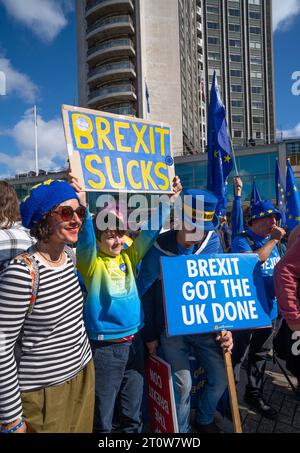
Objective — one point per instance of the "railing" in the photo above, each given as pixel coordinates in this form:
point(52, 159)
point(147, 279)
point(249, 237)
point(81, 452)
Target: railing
point(125, 110)
point(111, 67)
point(94, 3)
point(109, 44)
point(111, 89)
point(110, 20)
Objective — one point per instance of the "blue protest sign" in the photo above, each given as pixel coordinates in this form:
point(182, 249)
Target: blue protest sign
point(116, 153)
point(213, 293)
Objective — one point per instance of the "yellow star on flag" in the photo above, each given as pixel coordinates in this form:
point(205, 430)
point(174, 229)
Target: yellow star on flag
point(216, 154)
point(270, 211)
point(227, 159)
point(262, 214)
point(295, 189)
point(290, 217)
point(297, 219)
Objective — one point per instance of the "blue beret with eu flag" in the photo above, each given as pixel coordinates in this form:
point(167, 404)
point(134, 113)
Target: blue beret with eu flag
point(43, 198)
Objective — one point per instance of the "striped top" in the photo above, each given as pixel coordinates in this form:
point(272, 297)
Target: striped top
point(55, 347)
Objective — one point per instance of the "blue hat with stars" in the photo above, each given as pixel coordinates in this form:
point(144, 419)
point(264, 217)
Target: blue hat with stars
point(43, 198)
point(263, 209)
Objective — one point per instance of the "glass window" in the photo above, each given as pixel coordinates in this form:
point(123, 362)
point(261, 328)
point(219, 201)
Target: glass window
point(213, 25)
point(238, 134)
point(254, 15)
point(213, 10)
point(258, 120)
point(256, 60)
point(234, 27)
point(258, 105)
point(256, 90)
point(235, 58)
point(255, 30)
point(254, 2)
point(234, 42)
point(213, 40)
point(215, 56)
point(235, 73)
point(255, 45)
point(259, 135)
point(234, 12)
point(237, 119)
point(256, 75)
point(237, 103)
point(236, 88)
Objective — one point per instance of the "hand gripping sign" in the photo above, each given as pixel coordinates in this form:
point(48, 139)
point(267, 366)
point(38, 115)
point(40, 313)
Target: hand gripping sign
point(113, 153)
point(213, 293)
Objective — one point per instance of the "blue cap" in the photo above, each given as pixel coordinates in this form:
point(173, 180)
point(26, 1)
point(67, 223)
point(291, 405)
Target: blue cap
point(263, 209)
point(43, 198)
point(205, 219)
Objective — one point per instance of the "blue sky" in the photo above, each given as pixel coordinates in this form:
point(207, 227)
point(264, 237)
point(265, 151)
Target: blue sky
point(38, 56)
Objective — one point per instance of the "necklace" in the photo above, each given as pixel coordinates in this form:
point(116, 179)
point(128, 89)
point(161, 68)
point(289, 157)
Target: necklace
point(57, 262)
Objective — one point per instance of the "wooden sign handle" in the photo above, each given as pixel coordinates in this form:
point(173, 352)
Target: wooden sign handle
point(234, 405)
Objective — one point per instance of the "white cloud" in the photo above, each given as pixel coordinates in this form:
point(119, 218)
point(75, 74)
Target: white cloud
point(284, 12)
point(45, 18)
point(17, 82)
point(51, 145)
point(289, 133)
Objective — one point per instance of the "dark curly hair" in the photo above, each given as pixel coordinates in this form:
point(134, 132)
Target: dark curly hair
point(9, 205)
point(42, 230)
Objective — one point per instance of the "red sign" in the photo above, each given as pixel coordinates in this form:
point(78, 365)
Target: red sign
point(161, 402)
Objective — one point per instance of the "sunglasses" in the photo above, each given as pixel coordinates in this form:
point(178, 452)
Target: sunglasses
point(66, 213)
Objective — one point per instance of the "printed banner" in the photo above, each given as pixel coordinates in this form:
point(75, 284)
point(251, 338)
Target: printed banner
point(213, 293)
point(161, 402)
point(110, 153)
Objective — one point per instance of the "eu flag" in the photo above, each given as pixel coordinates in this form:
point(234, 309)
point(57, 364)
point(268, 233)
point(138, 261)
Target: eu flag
point(280, 195)
point(255, 197)
point(220, 161)
point(292, 199)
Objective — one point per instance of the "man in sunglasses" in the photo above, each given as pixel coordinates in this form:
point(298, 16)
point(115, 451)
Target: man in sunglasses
point(113, 313)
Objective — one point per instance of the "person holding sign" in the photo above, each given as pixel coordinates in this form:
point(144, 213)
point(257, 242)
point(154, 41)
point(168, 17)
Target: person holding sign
point(262, 237)
point(113, 313)
point(197, 236)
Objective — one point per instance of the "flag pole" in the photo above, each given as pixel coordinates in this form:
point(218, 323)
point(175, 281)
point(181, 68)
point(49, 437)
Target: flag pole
point(233, 155)
point(36, 144)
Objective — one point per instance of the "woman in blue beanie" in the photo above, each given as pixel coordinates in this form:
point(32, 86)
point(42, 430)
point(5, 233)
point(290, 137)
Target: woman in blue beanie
point(51, 389)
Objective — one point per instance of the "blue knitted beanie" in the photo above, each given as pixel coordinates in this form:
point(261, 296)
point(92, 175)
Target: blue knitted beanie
point(43, 198)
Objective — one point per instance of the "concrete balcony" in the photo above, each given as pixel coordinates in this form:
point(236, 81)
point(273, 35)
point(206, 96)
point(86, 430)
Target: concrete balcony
point(199, 29)
point(121, 109)
point(112, 71)
point(98, 8)
point(199, 12)
point(112, 94)
point(111, 49)
point(110, 27)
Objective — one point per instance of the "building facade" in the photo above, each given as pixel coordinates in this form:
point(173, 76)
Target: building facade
point(127, 48)
point(239, 47)
point(257, 162)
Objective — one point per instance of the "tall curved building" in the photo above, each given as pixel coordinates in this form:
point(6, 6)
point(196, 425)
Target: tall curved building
point(144, 58)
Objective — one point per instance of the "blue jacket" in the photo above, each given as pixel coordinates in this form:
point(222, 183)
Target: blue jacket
point(149, 279)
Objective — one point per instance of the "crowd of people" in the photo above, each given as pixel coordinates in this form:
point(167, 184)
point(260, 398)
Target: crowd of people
point(75, 327)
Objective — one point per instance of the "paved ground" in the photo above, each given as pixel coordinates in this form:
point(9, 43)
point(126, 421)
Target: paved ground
point(278, 393)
